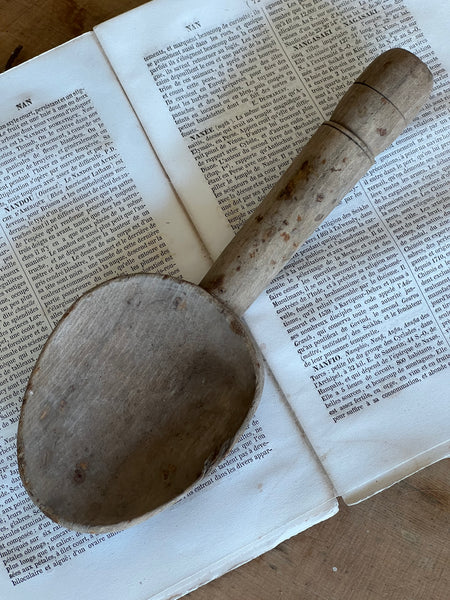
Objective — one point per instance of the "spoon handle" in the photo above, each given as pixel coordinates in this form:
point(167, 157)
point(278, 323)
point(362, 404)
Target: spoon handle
point(373, 112)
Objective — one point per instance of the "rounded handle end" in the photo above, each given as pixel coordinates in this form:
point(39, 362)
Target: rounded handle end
point(385, 98)
point(402, 78)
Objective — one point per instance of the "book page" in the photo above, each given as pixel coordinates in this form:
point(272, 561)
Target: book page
point(83, 199)
point(356, 327)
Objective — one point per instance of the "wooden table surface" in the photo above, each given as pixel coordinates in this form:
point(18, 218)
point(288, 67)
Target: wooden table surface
point(393, 546)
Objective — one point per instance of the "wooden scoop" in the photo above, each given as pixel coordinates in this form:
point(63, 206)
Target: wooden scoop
point(148, 381)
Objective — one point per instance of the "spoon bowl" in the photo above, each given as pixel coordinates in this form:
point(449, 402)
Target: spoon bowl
point(133, 401)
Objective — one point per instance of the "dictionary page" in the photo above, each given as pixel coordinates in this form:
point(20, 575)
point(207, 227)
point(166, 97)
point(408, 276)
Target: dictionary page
point(83, 199)
point(356, 327)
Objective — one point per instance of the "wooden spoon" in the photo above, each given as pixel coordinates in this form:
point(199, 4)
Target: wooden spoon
point(148, 381)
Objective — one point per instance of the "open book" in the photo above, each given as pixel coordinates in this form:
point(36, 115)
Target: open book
point(143, 146)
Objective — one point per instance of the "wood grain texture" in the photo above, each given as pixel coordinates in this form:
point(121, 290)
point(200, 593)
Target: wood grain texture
point(394, 546)
point(40, 26)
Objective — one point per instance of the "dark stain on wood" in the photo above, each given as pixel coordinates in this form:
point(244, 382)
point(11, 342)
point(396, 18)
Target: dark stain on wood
point(79, 475)
point(217, 284)
point(236, 327)
point(303, 173)
point(179, 303)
